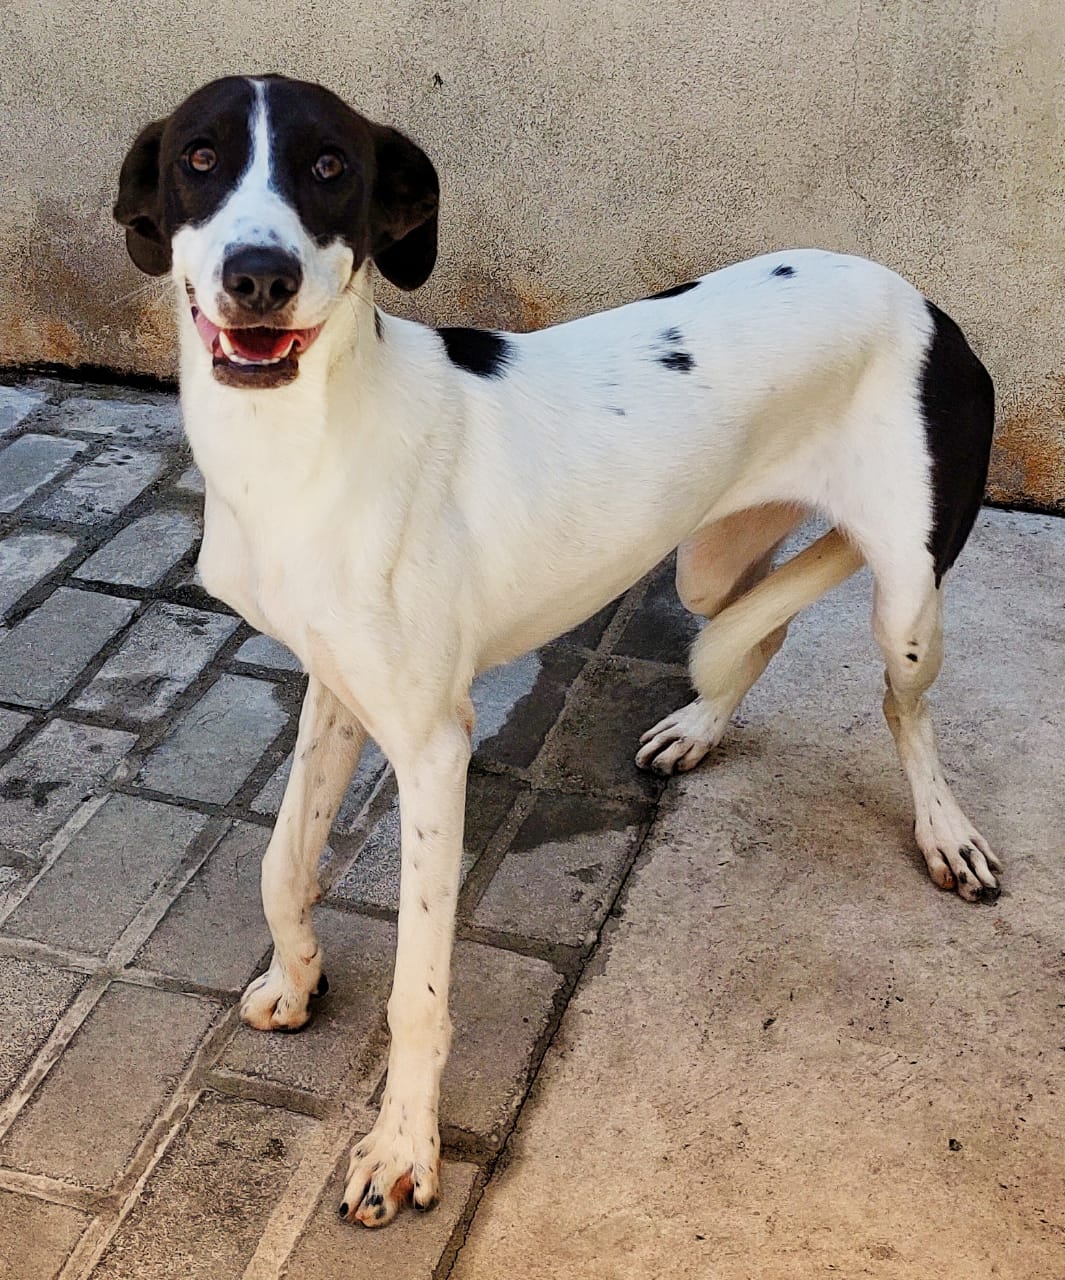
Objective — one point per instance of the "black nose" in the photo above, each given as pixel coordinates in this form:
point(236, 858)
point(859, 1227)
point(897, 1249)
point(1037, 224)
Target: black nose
point(261, 279)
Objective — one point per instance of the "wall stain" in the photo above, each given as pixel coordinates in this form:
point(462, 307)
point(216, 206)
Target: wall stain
point(1028, 454)
point(518, 304)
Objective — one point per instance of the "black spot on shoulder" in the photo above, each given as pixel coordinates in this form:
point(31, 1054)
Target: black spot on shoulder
point(675, 292)
point(958, 402)
point(481, 351)
point(681, 361)
point(783, 270)
point(670, 335)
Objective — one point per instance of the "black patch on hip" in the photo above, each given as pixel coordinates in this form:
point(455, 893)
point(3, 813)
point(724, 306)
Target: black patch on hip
point(783, 270)
point(479, 351)
point(675, 292)
point(958, 403)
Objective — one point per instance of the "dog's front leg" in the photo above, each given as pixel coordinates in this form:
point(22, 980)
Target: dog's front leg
point(328, 746)
point(400, 1158)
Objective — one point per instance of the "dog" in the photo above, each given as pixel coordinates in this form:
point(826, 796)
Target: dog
point(404, 507)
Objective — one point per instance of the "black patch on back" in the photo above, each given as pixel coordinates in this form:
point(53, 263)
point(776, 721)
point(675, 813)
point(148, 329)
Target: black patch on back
point(675, 292)
point(681, 361)
point(481, 351)
point(673, 357)
point(783, 270)
point(958, 403)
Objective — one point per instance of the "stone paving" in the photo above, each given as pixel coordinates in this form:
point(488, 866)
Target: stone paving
point(145, 733)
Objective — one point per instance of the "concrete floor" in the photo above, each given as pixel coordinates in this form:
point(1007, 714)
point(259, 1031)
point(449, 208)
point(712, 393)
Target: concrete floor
point(792, 1056)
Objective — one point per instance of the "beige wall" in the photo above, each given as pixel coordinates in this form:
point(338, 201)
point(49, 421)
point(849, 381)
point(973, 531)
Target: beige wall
point(590, 154)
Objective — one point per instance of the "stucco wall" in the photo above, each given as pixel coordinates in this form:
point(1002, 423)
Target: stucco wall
point(590, 154)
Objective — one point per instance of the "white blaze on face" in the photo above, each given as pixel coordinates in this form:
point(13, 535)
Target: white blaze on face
point(255, 216)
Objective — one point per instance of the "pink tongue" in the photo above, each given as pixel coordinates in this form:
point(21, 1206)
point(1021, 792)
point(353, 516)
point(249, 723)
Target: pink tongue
point(261, 344)
point(207, 331)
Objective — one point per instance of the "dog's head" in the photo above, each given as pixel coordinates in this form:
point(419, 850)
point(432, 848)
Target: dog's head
point(263, 197)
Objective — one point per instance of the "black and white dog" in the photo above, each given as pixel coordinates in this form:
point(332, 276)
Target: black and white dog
point(404, 507)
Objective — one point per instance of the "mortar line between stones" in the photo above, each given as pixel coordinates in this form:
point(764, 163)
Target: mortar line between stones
point(51, 1190)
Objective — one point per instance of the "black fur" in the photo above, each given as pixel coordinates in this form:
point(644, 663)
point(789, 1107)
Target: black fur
point(481, 351)
point(783, 270)
point(677, 360)
point(958, 402)
point(675, 292)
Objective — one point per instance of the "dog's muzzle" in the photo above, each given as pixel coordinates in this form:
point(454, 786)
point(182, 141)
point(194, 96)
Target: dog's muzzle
point(252, 356)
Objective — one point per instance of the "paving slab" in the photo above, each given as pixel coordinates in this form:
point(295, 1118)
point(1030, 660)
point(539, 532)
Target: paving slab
point(36, 1237)
point(86, 1118)
point(16, 404)
point(373, 878)
point(44, 655)
point(162, 654)
point(265, 651)
point(35, 997)
point(563, 868)
point(30, 462)
point(49, 776)
point(105, 874)
point(516, 705)
point(143, 552)
point(26, 558)
point(139, 421)
point(11, 724)
point(411, 1247)
point(100, 489)
point(599, 731)
point(217, 742)
point(661, 629)
point(190, 481)
point(209, 1198)
point(793, 1056)
point(215, 933)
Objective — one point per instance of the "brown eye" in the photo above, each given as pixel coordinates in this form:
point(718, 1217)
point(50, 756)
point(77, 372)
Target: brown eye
point(328, 166)
point(200, 158)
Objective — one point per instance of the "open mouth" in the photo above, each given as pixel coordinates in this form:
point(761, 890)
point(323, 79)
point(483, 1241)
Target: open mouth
point(252, 355)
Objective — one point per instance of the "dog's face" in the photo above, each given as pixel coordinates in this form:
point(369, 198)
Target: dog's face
point(263, 197)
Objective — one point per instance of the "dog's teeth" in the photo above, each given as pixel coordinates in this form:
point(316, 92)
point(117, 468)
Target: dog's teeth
point(231, 354)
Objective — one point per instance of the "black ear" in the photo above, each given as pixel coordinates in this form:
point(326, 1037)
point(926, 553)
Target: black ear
point(139, 207)
point(405, 200)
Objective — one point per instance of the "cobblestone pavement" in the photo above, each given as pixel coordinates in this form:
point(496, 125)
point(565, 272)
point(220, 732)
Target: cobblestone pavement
point(145, 734)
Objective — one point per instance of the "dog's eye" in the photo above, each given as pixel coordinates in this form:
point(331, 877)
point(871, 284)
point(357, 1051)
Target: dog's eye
point(201, 158)
point(328, 166)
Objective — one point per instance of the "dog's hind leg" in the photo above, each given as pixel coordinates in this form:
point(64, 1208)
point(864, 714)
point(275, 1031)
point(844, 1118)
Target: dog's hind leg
point(907, 623)
point(328, 746)
point(736, 646)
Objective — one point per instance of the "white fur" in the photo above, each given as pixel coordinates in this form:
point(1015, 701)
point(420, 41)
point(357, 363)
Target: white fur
point(401, 524)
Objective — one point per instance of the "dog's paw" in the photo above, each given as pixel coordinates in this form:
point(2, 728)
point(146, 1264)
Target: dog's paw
point(272, 1002)
point(677, 743)
point(957, 855)
point(390, 1167)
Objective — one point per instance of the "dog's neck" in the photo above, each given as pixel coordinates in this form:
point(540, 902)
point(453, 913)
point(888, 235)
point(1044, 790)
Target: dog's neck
point(355, 414)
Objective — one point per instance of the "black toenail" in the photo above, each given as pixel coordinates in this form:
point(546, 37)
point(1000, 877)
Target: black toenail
point(425, 1208)
point(379, 1214)
point(344, 1209)
point(989, 893)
